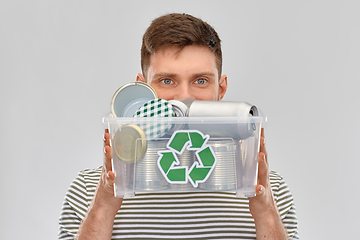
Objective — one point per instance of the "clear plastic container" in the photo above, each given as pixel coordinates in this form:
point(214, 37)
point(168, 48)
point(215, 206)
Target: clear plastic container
point(175, 154)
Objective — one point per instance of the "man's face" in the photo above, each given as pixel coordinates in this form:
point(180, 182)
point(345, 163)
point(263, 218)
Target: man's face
point(189, 73)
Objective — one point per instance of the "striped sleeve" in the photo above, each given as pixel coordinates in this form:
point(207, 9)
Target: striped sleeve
point(76, 203)
point(285, 204)
point(69, 222)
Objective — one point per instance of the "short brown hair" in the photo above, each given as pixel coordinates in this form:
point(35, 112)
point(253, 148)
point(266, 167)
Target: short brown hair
point(179, 30)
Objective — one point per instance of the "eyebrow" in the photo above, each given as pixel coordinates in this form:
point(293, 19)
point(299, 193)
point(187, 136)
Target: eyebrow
point(173, 75)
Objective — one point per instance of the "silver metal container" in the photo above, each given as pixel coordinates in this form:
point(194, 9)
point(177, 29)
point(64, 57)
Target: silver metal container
point(147, 174)
point(129, 97)
point(239, 162)
point(221, 109)
point(223, 177)
point(241, 130)
point(181, 106)
point(242, 110)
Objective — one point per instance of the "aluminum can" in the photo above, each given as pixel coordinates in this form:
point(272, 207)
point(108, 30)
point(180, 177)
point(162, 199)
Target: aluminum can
point(243, 129)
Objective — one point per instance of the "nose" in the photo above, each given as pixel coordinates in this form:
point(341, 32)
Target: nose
point(183, 91)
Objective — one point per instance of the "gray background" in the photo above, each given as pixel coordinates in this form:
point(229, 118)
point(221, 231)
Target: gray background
point(61, 62)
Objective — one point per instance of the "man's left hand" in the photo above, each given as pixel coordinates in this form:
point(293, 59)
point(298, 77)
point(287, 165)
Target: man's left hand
point(263, 207)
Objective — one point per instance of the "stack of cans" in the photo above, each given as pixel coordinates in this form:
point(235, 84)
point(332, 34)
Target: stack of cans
point(147, 174)
point(223, 177)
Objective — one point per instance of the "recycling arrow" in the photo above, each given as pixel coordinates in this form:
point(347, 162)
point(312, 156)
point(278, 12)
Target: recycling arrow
point(166, 164)
point(199, 172)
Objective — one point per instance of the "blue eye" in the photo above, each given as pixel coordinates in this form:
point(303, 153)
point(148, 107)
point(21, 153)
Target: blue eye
point(167, 81)
point(201, 81)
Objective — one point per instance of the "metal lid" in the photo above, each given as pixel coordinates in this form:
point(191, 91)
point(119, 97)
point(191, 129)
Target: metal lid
point(130, 143)
point(156, 108)
point(129, 97)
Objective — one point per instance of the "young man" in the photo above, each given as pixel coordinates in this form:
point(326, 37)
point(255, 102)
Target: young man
point(180, 58)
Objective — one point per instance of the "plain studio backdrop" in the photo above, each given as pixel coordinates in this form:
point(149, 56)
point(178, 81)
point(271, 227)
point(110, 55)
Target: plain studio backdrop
point(61, 62)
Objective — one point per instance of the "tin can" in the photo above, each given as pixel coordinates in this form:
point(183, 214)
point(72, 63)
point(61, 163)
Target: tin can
point(147, 174)
point(242, 110)
point(239, 163)
point(130, 97)
point(181, 106)
point(223, 177)
point(221, 109)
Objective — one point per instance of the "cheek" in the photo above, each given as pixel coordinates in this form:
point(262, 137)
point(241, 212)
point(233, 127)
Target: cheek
point(162, 93)
point(207, 96)
point(210, 94)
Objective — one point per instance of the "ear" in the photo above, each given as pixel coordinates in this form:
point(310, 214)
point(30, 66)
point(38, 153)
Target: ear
point(140, 78)
point(222, 86)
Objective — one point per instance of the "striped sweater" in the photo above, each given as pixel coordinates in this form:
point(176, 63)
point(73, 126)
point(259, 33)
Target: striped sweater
point(180, 215)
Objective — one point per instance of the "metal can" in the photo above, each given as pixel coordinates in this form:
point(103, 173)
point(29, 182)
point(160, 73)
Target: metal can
point(243, 129)
point(129, 97)
point(221, 109)
point(181, 106)
point(147, 174)
point(223, 176)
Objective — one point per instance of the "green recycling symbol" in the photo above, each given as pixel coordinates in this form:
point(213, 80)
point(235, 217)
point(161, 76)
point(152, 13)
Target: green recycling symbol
point(200, 170)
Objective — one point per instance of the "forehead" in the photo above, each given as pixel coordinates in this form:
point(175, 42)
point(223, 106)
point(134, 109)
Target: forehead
point(188, 59)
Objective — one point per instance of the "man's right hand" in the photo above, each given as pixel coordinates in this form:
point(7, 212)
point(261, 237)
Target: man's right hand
point(99, 220)
point(104, 195)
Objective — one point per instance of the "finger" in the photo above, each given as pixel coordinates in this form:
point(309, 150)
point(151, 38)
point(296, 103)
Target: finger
point(106, 138)
point(107, 159)
point(263, 172)
point(262, 146)
point(107, 152)
point(262, 143)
